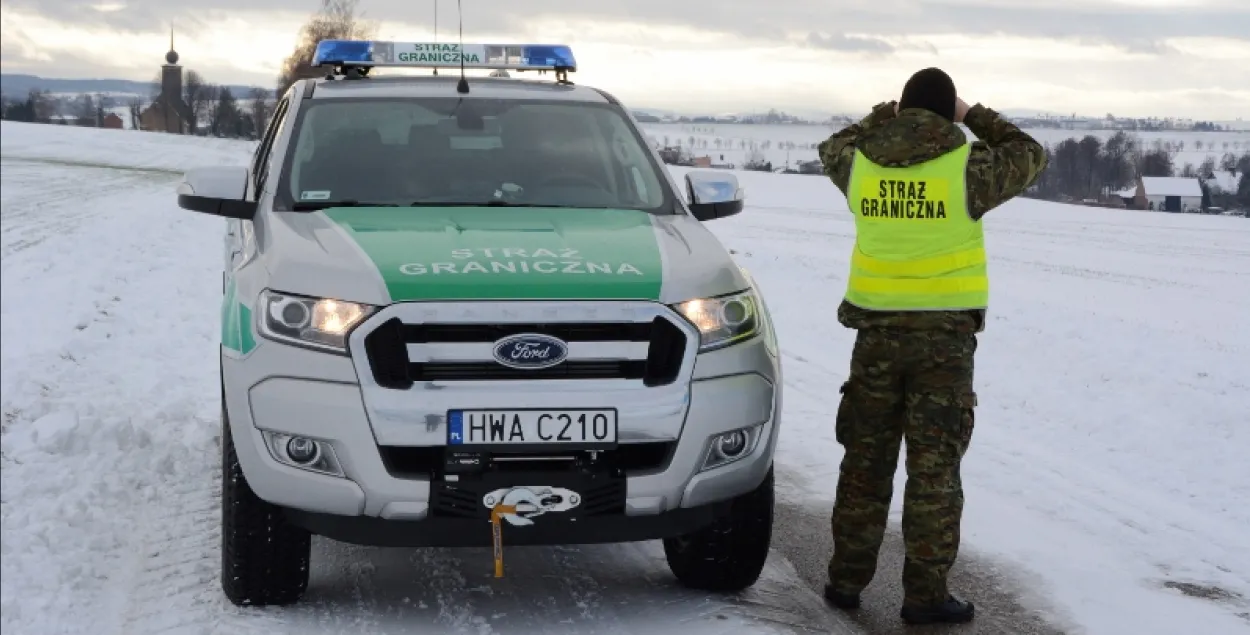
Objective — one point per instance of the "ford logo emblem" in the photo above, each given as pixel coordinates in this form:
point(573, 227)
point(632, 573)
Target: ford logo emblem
point(530, 351)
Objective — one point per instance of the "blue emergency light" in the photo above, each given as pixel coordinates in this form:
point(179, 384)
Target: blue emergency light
point(374, 53)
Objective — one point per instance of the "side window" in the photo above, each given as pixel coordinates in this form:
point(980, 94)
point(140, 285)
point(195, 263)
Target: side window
point(260, 167)
point(265, 136)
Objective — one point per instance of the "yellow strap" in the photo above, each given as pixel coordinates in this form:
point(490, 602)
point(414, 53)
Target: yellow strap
point(496, 526)
point(935, 286)
point(936, 265)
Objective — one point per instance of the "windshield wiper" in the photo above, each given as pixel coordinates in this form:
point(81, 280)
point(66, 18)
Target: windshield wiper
point(312, 206)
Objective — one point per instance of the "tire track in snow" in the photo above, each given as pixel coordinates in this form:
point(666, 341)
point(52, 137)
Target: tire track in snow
point(66, 197)
point(177, 553)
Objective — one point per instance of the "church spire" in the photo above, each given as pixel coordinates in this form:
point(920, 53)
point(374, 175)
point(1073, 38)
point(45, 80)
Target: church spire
point(172, 56)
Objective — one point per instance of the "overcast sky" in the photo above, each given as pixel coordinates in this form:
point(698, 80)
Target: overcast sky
point(1186, 58)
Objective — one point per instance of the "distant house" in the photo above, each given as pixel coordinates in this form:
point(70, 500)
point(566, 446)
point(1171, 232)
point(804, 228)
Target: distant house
point(1167, 194)
point(111, 120)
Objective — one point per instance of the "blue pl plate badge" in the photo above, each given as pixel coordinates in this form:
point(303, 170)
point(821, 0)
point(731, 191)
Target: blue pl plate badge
point(455, 427)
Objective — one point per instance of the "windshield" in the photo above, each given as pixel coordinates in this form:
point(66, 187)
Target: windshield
point(448, 151)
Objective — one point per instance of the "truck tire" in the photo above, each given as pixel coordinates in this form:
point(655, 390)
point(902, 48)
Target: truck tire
point(264, 559)
point(728, 555)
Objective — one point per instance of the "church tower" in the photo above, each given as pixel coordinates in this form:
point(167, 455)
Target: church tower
point(171, 72)
point(168, 112)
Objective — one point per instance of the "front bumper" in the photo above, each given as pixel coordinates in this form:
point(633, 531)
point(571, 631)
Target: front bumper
point(376, 432)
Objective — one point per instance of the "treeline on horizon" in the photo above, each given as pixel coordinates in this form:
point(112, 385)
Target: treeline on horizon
point(217, 111)
point(1092, 169)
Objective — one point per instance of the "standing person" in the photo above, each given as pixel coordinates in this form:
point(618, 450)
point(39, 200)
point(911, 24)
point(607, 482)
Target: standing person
point(917, 294)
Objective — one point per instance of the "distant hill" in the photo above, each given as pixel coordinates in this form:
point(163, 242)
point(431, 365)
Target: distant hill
point(13, 85)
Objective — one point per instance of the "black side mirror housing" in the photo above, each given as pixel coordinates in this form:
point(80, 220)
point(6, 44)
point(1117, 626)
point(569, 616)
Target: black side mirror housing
point(220, 191)
point(713, 195)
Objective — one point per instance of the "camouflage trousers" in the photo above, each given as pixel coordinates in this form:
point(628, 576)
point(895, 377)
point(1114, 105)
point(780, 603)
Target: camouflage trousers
point(917, 386)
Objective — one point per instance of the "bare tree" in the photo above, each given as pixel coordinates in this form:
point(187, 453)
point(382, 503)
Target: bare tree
point(84, 110)
point(1157, 163)
point(1117, 160)
point(1207, 169)
point(193, 93)
point(258, 104)
point(1228, 162)
point(212, 98)
point(337, 20)
point(42, 104)
point(136, 110)
point(1088, 150)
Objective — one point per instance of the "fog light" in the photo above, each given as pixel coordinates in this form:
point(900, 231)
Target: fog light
point(302, 450)
point(303, 453)
point(732, 444)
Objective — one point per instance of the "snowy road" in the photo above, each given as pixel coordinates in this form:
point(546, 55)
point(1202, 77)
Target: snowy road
point(111, 445)
point(1107, 475)
point(1105, 481)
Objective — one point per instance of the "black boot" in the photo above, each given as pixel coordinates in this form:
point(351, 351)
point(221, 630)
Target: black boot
point(844, 601)
point(952, 611)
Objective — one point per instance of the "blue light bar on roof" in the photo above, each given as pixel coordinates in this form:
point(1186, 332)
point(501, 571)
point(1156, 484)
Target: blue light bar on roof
point(521, 57)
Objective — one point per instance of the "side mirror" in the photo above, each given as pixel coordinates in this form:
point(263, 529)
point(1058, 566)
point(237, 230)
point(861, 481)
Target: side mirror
point(713, 195)
point(220, 191)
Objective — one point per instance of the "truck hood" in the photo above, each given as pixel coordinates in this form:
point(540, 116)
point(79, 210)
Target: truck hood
point(384, 255)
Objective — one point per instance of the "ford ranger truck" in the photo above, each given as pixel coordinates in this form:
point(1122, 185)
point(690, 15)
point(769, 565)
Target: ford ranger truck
point(479, 312)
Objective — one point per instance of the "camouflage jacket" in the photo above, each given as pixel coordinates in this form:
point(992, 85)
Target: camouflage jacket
point(1001, 165)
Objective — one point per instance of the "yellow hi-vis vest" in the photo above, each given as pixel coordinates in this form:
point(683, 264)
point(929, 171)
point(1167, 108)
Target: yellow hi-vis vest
point(916, 247)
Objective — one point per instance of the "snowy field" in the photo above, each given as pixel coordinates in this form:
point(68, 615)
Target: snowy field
point(735, 140)
point(1106, 479)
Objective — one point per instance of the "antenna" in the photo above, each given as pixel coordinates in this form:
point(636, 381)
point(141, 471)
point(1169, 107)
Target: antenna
point(462, 86)
point(436, 29)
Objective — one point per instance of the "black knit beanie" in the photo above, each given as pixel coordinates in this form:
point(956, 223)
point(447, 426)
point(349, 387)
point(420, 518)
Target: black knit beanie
point(931, 89)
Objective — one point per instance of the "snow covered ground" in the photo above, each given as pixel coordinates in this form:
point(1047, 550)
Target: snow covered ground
point(110, 441)
point(1109, 456)
point(1107, 472)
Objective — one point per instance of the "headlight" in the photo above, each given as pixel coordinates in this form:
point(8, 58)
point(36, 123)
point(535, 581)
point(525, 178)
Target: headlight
point(312, 322)
point(724, 320)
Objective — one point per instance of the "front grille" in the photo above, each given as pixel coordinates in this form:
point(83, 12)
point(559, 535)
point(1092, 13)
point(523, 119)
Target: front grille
point(435, 371)
point(594, 332)
point(386, 349)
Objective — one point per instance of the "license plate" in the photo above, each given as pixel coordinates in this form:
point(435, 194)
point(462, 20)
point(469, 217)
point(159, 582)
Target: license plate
point(531, 427)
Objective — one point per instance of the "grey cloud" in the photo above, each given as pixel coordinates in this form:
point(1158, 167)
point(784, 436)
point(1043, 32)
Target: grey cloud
point(927, 47)
point(1151, 47)
point(853, 44)
point(1128, 27)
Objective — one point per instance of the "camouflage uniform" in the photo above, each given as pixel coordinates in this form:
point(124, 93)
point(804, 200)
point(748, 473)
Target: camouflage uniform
point(911, 372)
